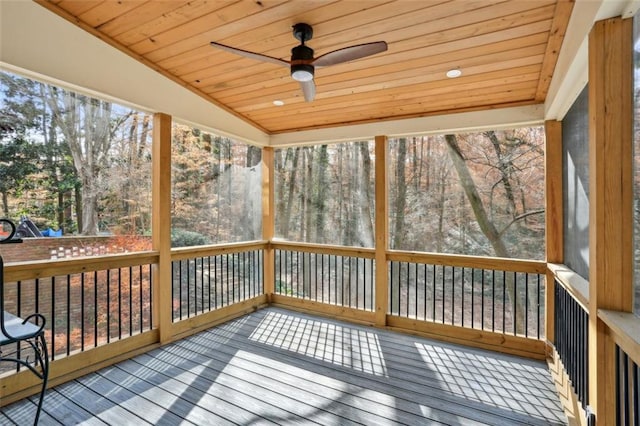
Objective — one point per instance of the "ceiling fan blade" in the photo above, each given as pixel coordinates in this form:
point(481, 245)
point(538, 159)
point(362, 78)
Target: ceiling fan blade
point(308, 89)
point(251, 55)
point(350, 53)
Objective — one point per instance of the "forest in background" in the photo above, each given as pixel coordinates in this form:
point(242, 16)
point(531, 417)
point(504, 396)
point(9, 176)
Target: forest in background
point(81, 164)
point(475, 193)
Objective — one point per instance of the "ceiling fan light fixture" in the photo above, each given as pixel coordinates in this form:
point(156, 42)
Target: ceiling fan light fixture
point(454, 73)
point(302, 72)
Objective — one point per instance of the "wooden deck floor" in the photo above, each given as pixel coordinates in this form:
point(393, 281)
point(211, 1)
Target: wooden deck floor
point(280, 367)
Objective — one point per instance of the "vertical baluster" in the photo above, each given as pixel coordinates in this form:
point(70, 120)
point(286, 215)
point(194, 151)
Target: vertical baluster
point(180, 288)
point(482, 271)
point(424, 291)
point(108, 305)
point(95, 310)
point(526, 305)
point(337, 278)
point(433, 286)
point(463, 293)
point(322, 276)
point(233, 292)
point(53, 318)
point(140, 295)
point(19, 314)
point(493, 300)
point(364, 283)
point(68, 319)
point(473, 297)
point(349, 288)
point(625, 388)
point(150, 298)
point(342, 278)
point(119, 303)
point(619, 410)
point(130, 300)
point(444, 292)
point(504, 305)
point(215, 281)
point(453, 294)
point(357, 277)
point(415, 298)
point(393, 284)
point(189, 286)
point(636, 396)
point(200, 272)
point(538, 307)
point(82, 280)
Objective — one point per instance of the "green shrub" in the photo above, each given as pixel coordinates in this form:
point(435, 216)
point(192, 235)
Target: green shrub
point(184, 238)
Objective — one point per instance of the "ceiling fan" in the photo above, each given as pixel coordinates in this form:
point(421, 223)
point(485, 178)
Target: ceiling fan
point(302, 63)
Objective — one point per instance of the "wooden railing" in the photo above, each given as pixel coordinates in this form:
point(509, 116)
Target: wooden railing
point(334, 276)
point(86, 302)
point(502, 299)
point(570, 358)
point(503, 296)
point(206, 279)
point(102, 309)
point(624, 330)
point(572, 340)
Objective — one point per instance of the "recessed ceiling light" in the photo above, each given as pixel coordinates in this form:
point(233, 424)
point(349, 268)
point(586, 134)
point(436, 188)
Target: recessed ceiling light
point(278, 102)
point(454, 73)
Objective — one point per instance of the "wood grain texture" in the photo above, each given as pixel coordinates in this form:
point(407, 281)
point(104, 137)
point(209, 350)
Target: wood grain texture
point(161, 224)
point(506, 49)
point(610, 214)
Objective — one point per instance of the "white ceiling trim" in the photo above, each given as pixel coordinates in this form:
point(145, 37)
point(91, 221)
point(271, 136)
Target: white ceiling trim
point(531, 115)
point(572, 69)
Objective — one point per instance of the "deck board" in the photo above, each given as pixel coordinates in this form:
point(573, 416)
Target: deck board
point(280, 367)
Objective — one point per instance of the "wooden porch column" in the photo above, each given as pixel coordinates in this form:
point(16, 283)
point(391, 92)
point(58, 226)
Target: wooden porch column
point(611, 197)
point(268, 220)
point(161, 224)
point(554, 223)
point(382, 225)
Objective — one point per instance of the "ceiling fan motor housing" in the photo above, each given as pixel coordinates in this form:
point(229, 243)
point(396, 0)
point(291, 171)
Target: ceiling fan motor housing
point(299, 65)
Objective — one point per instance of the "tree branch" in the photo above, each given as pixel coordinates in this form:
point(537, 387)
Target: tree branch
point(517, 218)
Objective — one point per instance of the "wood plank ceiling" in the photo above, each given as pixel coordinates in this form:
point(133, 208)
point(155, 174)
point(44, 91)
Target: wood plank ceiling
point(506, 50)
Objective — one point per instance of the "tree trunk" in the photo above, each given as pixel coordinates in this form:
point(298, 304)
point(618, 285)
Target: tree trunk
point(5, 203)
point(401, 194)
point(286, 220)
point(366, 202)
point(505, 166)
point(321, 195)
point(87, 126)
point(487, 227)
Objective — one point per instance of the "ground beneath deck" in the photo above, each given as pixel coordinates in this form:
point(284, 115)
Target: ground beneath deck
point(280, 367)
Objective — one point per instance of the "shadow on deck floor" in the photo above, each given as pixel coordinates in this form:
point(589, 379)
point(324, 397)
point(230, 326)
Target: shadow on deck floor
point(281, 367)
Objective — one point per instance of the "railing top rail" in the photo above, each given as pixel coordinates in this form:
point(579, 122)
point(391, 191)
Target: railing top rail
point(479, 262)
point(363, 252)
point(215, 249)
point(577, 286)
point(18, 271)
point(625, 328)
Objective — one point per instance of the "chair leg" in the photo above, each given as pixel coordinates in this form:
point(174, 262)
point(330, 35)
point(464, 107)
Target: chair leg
point(43, 358)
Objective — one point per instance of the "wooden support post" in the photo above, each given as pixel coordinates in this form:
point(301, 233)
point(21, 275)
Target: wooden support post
point(268, 220)
point(554, 224)
point(382, 225)
point(161, 225)
point(610, 199)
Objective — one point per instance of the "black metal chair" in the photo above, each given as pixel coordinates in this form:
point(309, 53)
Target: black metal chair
point(15, 330)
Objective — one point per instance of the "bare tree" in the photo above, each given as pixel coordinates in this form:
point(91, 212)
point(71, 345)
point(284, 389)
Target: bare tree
point(87, 125)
